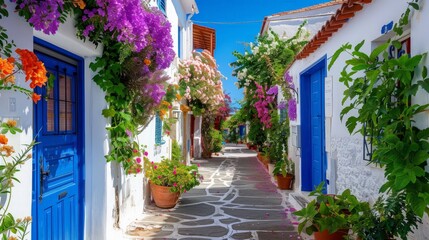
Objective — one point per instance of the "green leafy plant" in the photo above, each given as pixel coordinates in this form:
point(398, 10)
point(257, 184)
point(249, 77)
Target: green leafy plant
point(284, 166)
point(277, 138)
point(380, 89)
point(256, 133)
point(389, 217)
point(10, 166)
point(329, 212)
point(176, 152)
point(174, 174)
point(216, 140)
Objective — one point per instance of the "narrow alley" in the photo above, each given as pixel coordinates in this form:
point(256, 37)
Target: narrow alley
point(236, 200)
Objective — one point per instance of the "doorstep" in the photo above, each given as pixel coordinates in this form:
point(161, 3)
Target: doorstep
point(299, 199)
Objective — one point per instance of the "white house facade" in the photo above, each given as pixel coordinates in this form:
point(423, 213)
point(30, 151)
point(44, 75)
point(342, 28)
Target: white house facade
point(69, 162)
point(320, 143)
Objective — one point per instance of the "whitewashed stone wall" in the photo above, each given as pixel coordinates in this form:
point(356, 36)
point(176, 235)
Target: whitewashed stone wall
point(352, 171)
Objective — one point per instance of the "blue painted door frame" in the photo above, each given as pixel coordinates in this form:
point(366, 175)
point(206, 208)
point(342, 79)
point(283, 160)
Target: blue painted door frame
point(58, 162)
point(313, 155)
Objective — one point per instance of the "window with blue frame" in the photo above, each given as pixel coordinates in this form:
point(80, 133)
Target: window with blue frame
point(158, 130)
point(179, 38)
point(162, 5)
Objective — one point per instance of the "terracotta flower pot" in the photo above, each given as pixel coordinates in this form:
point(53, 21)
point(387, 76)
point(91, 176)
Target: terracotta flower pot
point(338, 235)
point(285, 183)
point(163, 197)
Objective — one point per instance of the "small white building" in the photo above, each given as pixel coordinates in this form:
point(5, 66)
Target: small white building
point(320, 143)
point(286, 24)
point(82, 196)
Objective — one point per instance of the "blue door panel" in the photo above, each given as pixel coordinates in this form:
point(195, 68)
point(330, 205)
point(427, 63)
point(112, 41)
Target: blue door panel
point(316, 128)
point(313, 157)
point(58, 163)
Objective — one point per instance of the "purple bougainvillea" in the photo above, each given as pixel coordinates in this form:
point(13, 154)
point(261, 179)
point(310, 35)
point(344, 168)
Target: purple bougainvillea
point(160, 38)
point(292, 109)
point(145, 29)
point(44, 14)
point(282, 105)
point(126, 21)
point(273, 90)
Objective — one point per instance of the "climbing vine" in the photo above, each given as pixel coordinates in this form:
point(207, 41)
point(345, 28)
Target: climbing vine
point(381, 90)
point(137, 47)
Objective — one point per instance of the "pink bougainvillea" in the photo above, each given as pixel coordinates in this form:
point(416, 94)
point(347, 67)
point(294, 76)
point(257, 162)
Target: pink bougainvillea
point(201, 82)
point(264, 103)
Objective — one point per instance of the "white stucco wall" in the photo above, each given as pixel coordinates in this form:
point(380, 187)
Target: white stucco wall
point(19, 31)
point(346, 155)
point(101, 179)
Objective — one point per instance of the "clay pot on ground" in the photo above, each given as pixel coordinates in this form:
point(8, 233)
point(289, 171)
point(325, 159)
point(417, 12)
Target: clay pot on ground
point(266, 161)
point(338, 235)
point(163, 197)
point(259, 156)
point(285, 183)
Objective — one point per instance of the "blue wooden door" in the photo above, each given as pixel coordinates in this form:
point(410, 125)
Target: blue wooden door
point(57, 171)
point(317, 128)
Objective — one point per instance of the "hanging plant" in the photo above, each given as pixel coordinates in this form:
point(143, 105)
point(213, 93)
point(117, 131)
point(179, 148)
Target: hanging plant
point(137, 47)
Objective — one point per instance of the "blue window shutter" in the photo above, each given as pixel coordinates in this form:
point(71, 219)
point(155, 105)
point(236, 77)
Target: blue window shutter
point(158, 130)
point(179, 34)
point(162, 5)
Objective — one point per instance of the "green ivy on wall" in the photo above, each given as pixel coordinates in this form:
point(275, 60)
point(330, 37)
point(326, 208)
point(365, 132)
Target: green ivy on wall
point(381, 90)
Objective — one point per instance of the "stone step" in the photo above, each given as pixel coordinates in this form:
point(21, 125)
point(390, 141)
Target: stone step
point(298, 200)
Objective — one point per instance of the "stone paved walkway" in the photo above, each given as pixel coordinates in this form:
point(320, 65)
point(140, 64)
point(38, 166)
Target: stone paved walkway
point(237, 200)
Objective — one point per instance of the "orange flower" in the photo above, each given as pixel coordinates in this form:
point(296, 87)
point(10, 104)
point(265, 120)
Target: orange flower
point(36, 97)
point(165, 103)
point(6, 69)
point(10, 79)
point(33, 68)
point(3, 139)
point(147, 62)
point(79, 3)
point(7, 150)
point(178, 97)
point(11, 59)
point(11, 123)
point(162, 113)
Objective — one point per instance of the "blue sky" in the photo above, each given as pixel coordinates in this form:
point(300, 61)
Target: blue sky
point(231, 37)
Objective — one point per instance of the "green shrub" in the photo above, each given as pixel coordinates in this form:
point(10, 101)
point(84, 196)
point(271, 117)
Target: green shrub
point(176, 153)
point(216, 140)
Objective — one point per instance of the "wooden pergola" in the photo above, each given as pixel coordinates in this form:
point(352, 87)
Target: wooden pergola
point(204, 38)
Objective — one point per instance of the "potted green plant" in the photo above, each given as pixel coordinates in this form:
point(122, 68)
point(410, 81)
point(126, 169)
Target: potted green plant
point(284, 170)
point(330, 216)
point(390, 217)
point(168, 179)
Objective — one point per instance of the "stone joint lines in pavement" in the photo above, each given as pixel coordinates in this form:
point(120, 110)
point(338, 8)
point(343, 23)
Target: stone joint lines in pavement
point(235, 201)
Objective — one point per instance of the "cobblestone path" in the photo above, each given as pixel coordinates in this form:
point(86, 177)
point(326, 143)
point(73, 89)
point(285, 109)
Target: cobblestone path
point(237, 200)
